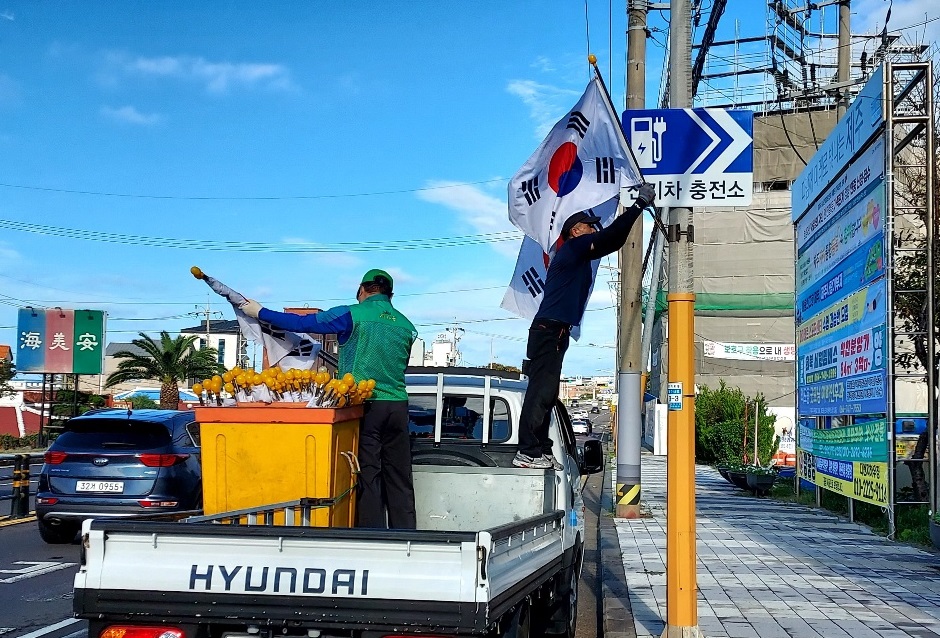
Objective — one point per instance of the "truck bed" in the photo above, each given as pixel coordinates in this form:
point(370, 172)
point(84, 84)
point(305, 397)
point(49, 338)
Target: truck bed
point(444, 577)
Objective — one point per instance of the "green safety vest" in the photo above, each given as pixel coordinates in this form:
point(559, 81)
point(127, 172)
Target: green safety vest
point(378, 347)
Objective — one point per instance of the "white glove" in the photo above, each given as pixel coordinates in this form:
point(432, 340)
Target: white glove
point(646, 195)
point(251, 308)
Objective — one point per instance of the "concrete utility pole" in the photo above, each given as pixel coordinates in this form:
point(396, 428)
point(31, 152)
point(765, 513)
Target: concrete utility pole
point(629, 387)
point(843, 64)
point(681, 586)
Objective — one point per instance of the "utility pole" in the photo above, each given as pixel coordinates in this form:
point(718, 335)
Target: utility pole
point(630, 330)
point(843, 63)
point(681, 586)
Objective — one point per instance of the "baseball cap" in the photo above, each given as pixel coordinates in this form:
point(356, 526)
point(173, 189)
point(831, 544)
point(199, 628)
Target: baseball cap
point(370, 276)
point(583, 216)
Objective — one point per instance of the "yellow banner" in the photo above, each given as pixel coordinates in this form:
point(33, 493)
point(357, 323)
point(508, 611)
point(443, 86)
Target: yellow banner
point(840, 314)
point(869, 482)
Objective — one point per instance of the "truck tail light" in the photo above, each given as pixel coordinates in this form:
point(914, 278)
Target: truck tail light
point(162, 460)
point(141, 631)
point(54, 458)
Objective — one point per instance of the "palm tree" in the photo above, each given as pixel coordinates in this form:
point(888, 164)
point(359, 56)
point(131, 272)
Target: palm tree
point(169, 361)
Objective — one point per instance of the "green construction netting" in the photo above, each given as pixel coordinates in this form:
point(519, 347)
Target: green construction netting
point(712, 302)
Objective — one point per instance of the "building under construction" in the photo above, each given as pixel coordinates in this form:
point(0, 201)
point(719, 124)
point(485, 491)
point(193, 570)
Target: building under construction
point(794, 76)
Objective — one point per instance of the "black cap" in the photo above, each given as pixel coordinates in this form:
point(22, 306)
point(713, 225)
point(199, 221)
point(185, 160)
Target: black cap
point(583, 216)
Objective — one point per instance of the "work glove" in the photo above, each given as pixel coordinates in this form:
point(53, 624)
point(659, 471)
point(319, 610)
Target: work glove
point(251, 308)
point(646, 195)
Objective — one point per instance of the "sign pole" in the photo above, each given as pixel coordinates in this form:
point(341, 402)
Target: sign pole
point(631, 364)
point(681, 586)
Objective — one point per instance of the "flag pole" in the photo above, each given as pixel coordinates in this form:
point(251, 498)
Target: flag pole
point(629, 349)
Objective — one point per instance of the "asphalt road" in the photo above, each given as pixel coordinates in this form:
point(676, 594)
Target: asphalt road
point(35, 584)
point(36, 578)
point(590, 603)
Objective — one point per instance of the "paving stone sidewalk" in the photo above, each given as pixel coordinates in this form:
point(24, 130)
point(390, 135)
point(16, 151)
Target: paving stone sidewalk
point(776, 570)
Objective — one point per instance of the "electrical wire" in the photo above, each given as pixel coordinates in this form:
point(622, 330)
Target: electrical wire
point(260, 198)
point(587, 33)
point(242, 246)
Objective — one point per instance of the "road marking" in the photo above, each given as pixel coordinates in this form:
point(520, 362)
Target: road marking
point(17, 521)
point(35, 568)
point(6, 630)
point(51, 628)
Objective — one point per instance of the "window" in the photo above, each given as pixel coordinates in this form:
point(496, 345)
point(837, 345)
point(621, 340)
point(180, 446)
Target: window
point(193, 431)
point(112, 434)
point(462, 418)
point(221, 358)
point(202, 344)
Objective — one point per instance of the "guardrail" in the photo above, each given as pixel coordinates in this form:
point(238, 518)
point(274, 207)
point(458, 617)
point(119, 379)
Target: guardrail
point(19, 500)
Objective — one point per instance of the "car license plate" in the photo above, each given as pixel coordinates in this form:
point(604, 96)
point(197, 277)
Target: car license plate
point(99, 486)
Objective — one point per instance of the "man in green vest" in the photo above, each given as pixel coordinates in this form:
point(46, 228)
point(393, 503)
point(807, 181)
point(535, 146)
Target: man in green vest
point(374, 343)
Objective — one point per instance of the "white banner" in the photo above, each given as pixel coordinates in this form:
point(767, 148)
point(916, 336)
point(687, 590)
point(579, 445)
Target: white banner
point(750, 351)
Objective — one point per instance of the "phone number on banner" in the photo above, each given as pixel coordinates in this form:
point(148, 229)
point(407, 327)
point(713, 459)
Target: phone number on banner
point(862, 481)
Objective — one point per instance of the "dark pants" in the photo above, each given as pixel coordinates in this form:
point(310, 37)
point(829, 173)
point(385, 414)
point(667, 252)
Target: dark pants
point(385, 483)
point(548, 341)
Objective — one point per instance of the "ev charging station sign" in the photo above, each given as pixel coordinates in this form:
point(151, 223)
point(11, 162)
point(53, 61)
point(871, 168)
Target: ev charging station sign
point(694, 157)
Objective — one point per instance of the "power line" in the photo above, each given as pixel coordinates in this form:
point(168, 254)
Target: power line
point(259, 198)
point(241, 246)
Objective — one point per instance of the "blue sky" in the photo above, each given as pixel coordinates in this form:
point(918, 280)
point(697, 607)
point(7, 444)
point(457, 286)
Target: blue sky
point(283, 124)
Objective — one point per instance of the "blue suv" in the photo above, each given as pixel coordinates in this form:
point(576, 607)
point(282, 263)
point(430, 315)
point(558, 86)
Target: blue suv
point(118, 463)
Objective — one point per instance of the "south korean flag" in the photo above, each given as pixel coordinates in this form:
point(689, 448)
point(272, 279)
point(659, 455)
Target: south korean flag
point(284, 349)
point(527, 286)
point(584, 162)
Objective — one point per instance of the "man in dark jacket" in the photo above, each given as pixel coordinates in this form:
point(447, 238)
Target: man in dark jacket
point(567, 286)
point(374, 343)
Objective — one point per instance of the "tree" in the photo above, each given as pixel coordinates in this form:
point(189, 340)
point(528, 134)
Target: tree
point(504, 368)
point(724, 426)
point(169, 361)
point(7, 371)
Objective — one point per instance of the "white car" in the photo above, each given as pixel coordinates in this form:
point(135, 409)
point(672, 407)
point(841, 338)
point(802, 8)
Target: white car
point(581, 426)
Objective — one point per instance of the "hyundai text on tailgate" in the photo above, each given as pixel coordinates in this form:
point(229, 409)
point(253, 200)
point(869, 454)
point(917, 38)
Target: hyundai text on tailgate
point(498, 549)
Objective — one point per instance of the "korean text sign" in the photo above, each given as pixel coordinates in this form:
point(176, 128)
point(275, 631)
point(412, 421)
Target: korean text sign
point(60, 341)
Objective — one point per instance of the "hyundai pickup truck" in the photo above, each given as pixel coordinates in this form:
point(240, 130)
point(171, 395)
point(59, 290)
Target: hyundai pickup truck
point(497, 552)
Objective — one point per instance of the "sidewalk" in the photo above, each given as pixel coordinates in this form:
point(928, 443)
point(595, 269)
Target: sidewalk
point(769, 569)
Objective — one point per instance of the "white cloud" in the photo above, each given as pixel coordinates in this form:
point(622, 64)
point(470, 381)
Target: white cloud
point(217, 77)
point(544, 64)
point(868, 16)
point(484, 212)
point(130, 115)
point(7, 15)
point(546, 103)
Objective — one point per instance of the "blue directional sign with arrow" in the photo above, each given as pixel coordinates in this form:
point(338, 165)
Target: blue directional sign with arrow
point(696, 157)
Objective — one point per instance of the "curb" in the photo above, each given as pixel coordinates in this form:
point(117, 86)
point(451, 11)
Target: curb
point(617, 612)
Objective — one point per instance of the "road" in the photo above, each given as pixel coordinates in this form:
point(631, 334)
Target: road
point(36, 578)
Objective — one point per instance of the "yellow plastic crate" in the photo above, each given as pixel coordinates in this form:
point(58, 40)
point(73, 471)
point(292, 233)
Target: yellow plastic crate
point(256, 455)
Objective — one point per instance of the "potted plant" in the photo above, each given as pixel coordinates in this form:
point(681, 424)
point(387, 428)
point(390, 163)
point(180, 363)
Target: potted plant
point(738, 476)
point(760, 479)
point(935, 530)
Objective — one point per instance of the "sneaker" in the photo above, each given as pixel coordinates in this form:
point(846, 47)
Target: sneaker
point(534, 463)
point(554, 462)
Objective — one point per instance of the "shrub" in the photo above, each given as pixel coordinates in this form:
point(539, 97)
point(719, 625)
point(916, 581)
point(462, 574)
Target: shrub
point(724, 427)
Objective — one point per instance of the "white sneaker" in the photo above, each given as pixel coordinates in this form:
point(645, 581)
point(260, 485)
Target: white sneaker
point(554, 462)
point(533, 463)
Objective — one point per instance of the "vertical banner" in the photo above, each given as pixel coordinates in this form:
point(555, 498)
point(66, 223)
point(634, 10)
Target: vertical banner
point(31, 340)
point(59, 326)
point(60, 341)
point(89, 341)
